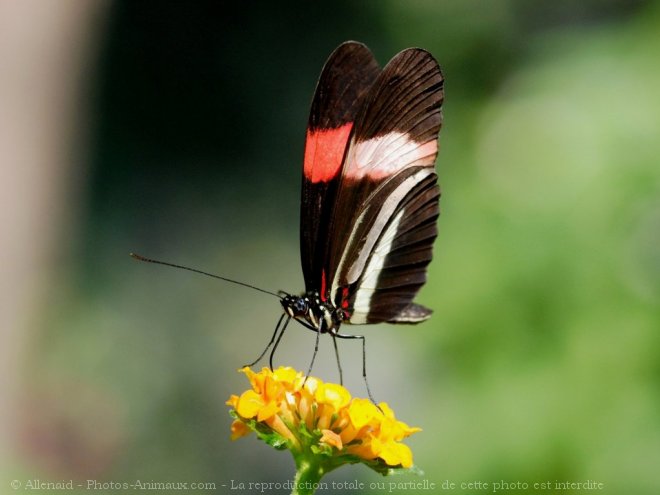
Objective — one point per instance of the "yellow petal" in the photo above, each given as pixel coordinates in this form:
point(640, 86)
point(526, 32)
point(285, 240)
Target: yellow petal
point(406, 430)
point(389, 430)
point(396, 430)
point(348, 433)
point(368, 449)
point(249, 404)
point(286, 375)
point(289, 409)
point(331, 438)
point(333, 394)
point(311, 384)
point(387, 411)
point(254, 378)
point(361, 411)
point(272, 389)
point(306, 408)
point(233, 399)
point(239, 429)
point(270, 409)
point(324, 414)
point(394, 453)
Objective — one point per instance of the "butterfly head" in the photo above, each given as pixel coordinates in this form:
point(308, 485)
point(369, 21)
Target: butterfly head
point(296, 306)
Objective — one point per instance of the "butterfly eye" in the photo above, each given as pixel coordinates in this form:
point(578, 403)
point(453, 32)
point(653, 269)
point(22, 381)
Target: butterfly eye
point(300, 306)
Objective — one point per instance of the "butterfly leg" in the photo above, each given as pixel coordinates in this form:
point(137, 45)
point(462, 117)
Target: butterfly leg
point(364, 359)
point(319, 330)
point(272, 339)
point(341, 375)
point(277, 342)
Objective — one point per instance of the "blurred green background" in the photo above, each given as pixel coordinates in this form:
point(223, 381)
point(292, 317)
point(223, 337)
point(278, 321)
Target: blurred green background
point(542, 360)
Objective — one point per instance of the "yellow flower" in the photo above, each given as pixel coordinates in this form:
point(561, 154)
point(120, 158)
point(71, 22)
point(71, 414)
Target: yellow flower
point(313, 418)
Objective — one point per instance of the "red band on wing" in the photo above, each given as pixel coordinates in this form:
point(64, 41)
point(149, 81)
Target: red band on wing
point(323, 286)
point(344, 298)
point(324, 152)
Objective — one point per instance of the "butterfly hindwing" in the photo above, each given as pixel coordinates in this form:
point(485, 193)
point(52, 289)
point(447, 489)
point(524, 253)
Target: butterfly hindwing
point(346, 78)
point(396, 269)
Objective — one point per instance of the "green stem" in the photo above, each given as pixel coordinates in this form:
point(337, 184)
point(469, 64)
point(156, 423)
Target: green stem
point(308, 475)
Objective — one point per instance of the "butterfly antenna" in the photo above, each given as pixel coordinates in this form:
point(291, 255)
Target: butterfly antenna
point(149, 260)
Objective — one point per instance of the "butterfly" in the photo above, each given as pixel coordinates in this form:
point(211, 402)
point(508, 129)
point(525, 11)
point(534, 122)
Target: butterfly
point(370, 195)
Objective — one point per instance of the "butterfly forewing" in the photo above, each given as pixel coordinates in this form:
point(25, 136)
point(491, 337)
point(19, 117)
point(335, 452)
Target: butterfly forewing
point(345, 80)
point(381, 223)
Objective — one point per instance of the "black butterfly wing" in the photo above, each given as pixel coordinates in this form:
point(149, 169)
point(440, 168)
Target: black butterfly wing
point(345, 80)
point(383, 221)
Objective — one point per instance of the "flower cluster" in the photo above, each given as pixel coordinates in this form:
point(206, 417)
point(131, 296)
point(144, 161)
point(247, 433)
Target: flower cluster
point(313, 418)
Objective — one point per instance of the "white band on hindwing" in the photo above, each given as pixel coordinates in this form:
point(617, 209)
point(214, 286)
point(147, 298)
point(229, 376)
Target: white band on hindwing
point(369, 248)
point(372, 271)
